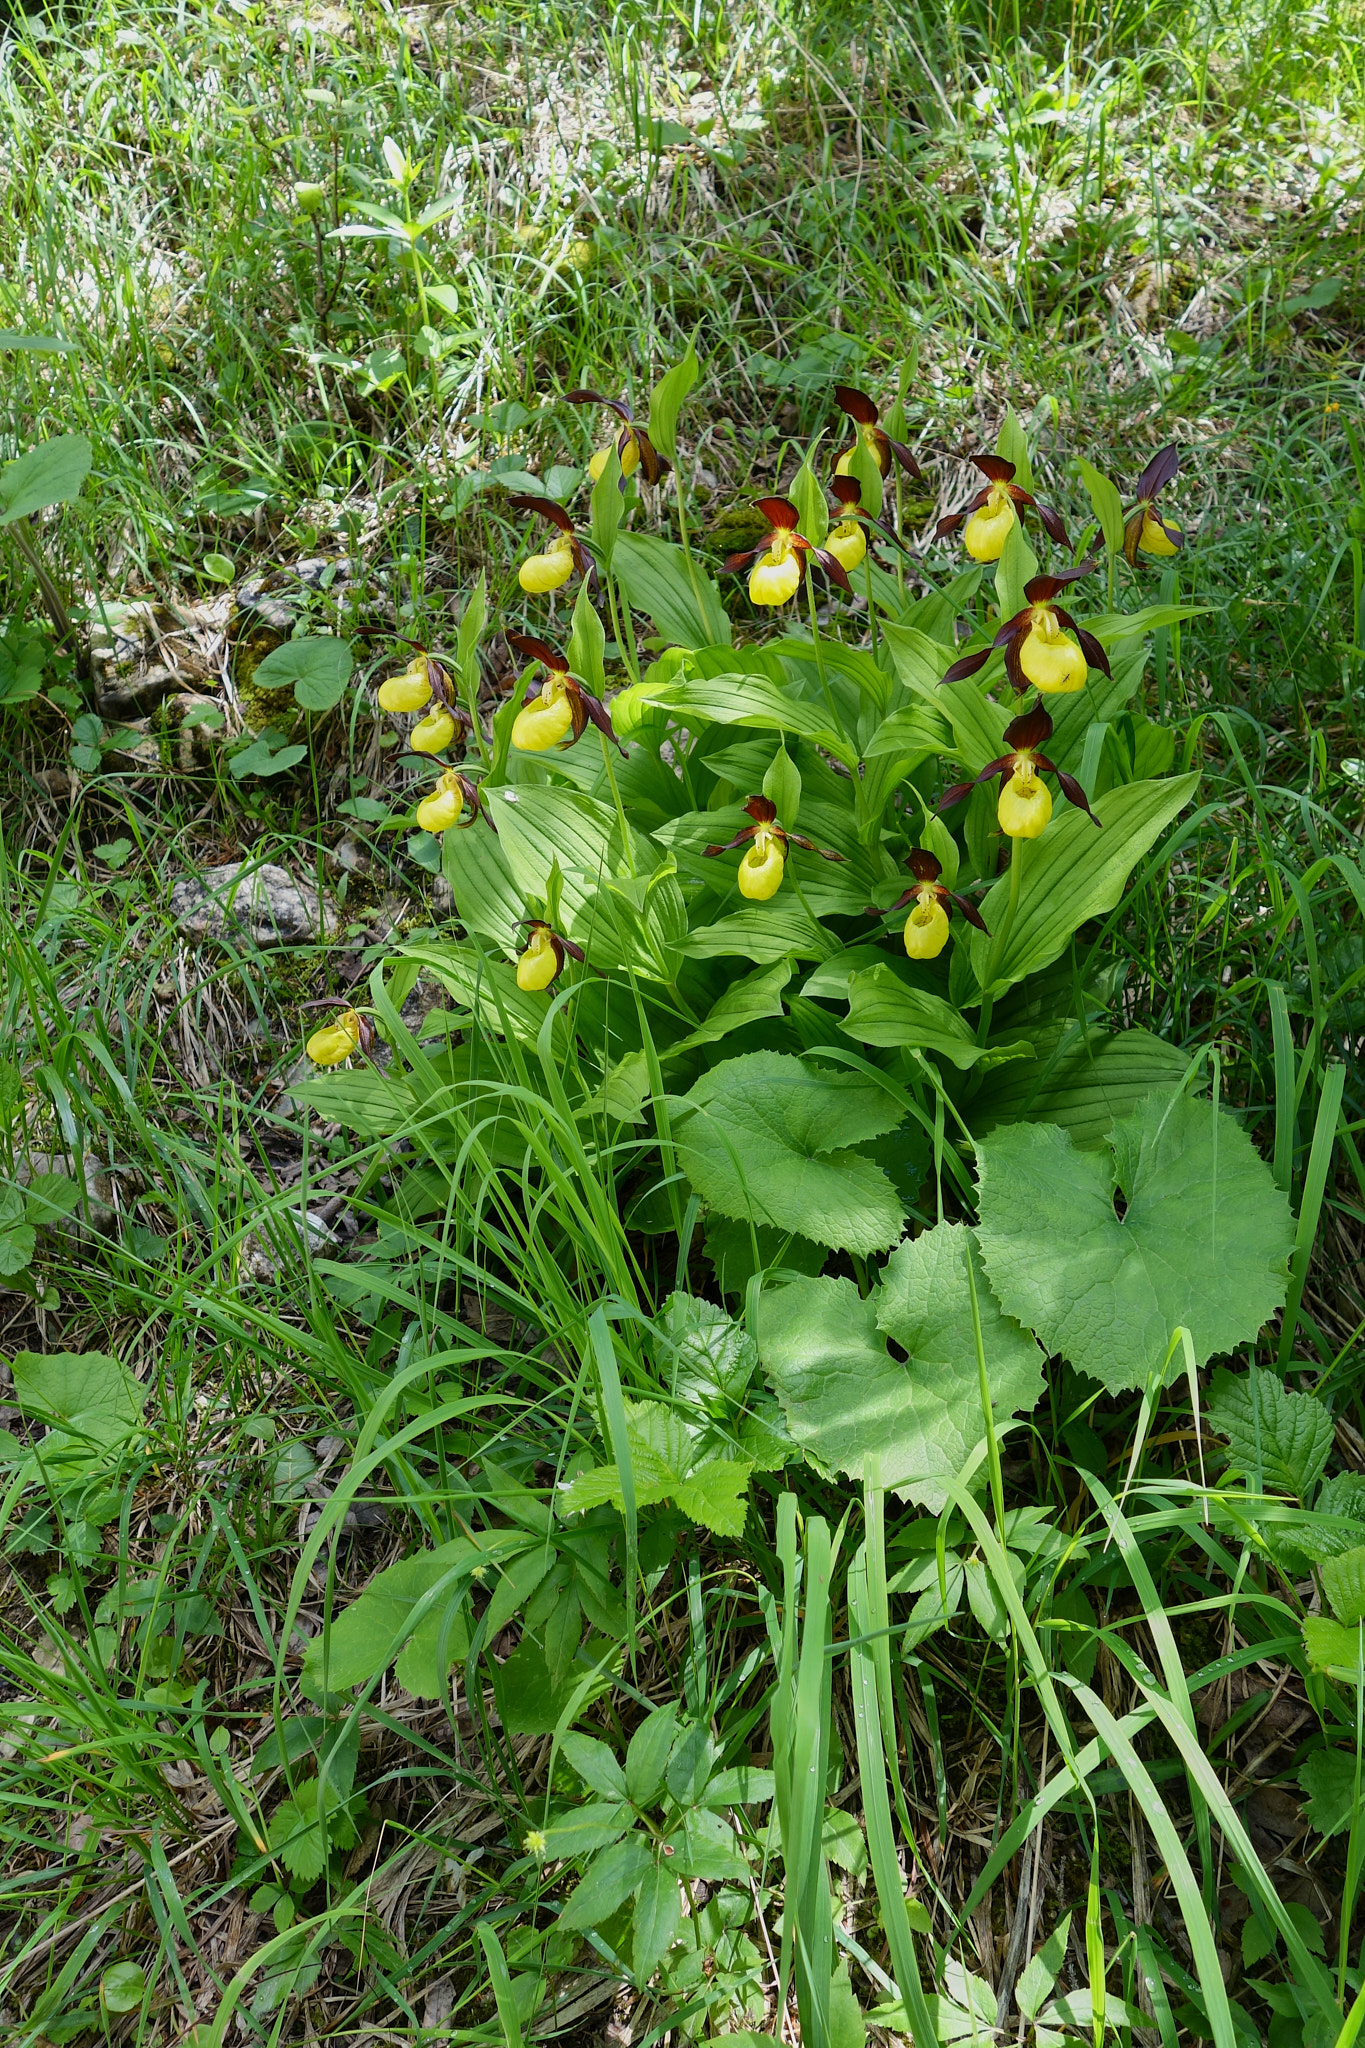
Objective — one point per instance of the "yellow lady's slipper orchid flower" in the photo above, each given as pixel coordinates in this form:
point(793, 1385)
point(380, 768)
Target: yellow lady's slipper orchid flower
point(926, 928)
point(433, 734)
point(1025, 803)
point(1149, 532)
point(777, 565)
point(541, 960)
point(558, 709)
point(1037, 649)
point(863, 413)
point(991, 514)
point(566, 552)
point(767, 844)
point(633, 446)
point(336, 1042)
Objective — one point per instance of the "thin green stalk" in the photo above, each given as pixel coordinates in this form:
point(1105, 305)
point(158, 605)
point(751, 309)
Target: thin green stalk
point(999, 940)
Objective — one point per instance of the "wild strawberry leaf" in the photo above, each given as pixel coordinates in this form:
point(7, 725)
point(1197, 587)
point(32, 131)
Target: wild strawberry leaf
point(1202, 1241)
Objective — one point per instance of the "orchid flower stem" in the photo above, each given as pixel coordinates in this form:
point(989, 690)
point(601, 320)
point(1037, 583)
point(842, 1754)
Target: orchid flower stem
point(900, 525)
point(1001, 938)
point(871, 608)
point(819, 651)
point(627, 845)
point(471, 705)
point(625, 637)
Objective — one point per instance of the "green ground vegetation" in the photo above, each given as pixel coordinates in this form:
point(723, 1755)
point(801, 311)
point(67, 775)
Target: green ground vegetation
point(449, 1585)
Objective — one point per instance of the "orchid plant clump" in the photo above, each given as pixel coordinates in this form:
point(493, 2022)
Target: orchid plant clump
point(885, 749)
point(693, 995)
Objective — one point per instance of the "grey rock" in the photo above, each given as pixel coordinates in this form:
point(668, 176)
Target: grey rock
point(133, 696)
point(258, 901)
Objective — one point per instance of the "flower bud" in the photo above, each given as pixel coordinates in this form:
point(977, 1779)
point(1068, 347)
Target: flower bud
point(432, 734)
point(539, 573)
point(308, 197)
point(926, 929)
point(335, 1042)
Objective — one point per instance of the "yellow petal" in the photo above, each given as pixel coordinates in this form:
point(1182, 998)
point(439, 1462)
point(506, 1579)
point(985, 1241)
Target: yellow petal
point(1154, 540)
point(537, 966)
point(432, 733)
point(335, 1042)
point(539, 573)
point(760, 871)
point(408, 692)
point(847, 543)
point(539, 725)
point(772, 582)
point(1024, 807)
point(986, 532)
point(1055, 666)
point(926, 931)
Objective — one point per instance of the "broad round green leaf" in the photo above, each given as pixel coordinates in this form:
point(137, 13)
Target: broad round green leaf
point(122, 1987)
point(847, 1399)
point(768, 1141)
point(50, 474)
point(318, 667)
point(1202, 1243)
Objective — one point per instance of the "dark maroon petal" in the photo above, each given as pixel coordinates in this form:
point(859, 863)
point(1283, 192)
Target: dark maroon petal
point(584, 397)
point(847, 490)
point(881, 448)
point(952, 795)
point(883, 528)
point(739, 840)
point(1172, 533)
point(1015, 628)
point(951, 523)
point(1040, 588)
point(781, 511)
point(995, 467)
point(891, 908)
point(538, 650)
point(1052, 522)
point(1091, 649)
point(1074, 794)
point(825, 852)
point(924, 866)
point(1013, 666)
point(596, 710)
point(1160, 471)
point(567, 946)
point(856, 404)
point(904, 458)
point(654, 466)
point(1030, 729)
point(1132, 534)
point(761, 808)
point(966, 665)
point(832, 567)
point(732, 564)
point(970, 912)
point(544, 508)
